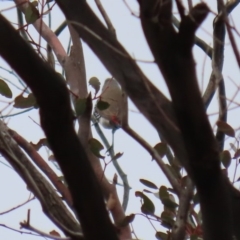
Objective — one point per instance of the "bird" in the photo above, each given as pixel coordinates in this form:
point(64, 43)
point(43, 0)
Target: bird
point(111, 117)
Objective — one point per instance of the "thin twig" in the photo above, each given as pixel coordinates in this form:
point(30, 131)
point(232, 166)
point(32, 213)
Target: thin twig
point(190, 4)
point(95, 35)
point(26, 224)
point(20, 23)
point(233, 43)
point(45, 32)
point(19, 231)
point(16, 207)
point(171, 178)
point(106, 18)
point(118, 168)
point(218, 45)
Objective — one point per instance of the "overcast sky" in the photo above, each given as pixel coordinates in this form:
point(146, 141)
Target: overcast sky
point(136, 162)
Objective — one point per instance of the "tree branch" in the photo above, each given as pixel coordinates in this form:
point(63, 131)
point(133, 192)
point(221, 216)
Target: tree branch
point(173, 54)
point(148, 99)
point(76, 77)
point(57, 122)
point(51, 203)
point(39, 161)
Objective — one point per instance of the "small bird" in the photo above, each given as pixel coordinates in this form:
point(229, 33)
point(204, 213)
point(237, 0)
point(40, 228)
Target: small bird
point(112, 94)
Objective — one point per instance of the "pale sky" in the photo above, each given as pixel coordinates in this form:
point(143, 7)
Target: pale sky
point(136, 162)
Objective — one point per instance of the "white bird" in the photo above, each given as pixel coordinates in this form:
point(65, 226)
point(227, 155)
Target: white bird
point(111, 117)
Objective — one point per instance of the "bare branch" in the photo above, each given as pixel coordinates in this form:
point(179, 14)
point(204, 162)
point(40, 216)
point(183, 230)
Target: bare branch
point(76, 77)
point(46, 33)
point(198, 41)
point(106, 18)
point(16, 207)
point(118, 168)
point(171, 178)
point(52, 204)
point(173, 53)
point(43, 166)
point(179, 229)
point(149, 100)
point(26, 224)
point(57, 122)
point(218, 45)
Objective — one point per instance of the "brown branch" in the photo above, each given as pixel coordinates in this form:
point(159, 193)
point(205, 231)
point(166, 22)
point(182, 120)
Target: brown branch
point(128, 75)
point(173, 54)
point(76, 77)
point(233, 43)
point(190, 4)
point(149, 100)
point(45, 32)
point(39, 161)
point(18, 231)
point(218, 45)
point(198, 41)
point(51, 203)
point(179, 229)
point(216, 79)
point(168, 173)
point(57, 122)
point(75, 67)
point(26, 225)
point(106, 18)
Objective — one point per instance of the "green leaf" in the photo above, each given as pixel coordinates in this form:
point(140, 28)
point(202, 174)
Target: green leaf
point(193, 237)
point(4, 89)
point(95, 147)
point(225, 128)
point(147, 206)
point(127, 220)
point(167, 219)
point(199, 215)
point(31, 13)
point(225, 158)
point(25, 102)
point(233, 147)
point(80, 106)
point(161, 148)
point(176, 164)
point(117, 156)
point(101, 105)
point(163, 192)
point(95, 83)
point(237, 153)
point(166, 198)
point(35, 3)
point(167, 202)
point(161, 236)
point(148, 183)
